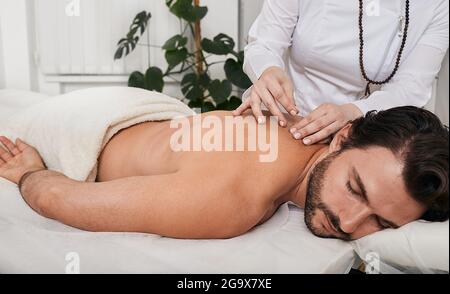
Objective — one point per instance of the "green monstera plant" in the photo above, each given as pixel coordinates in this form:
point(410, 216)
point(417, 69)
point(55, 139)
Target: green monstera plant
point(187, 54)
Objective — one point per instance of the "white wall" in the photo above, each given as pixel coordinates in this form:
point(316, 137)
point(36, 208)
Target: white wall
point(79, 37)
point(2, 69)
point(27, 65)
point(84, 57)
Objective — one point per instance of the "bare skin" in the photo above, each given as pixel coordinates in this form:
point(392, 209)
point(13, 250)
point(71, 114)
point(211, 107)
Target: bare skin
point(148, 153)
point(143, 186)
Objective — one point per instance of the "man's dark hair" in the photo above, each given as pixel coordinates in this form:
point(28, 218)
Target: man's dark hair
point(420, 140)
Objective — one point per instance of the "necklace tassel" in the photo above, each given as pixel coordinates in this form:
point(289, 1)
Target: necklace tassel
point(368, 92)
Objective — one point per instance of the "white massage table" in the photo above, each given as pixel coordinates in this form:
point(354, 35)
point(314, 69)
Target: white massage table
point(30, 243)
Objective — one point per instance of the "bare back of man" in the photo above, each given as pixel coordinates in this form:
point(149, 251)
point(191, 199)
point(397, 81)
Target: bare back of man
point(145, 150)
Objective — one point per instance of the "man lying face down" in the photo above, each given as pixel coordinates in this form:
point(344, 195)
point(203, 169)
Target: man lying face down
point(381, 171)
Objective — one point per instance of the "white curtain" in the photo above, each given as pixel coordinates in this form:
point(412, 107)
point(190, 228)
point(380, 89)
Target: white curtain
point(85, 44)
point(84, 41)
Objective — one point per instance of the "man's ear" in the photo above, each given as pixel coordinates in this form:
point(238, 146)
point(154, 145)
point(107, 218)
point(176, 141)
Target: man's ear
point(339, 138)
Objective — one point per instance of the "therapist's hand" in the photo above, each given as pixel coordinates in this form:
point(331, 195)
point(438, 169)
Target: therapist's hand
point(18, 159)
point(323, 122)
point(273, 86)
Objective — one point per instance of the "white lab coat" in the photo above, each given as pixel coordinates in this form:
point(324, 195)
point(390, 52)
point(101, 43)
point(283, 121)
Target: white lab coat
point(317, 43)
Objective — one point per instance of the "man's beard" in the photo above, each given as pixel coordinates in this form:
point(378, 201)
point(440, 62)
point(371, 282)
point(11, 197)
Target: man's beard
point(314, 202)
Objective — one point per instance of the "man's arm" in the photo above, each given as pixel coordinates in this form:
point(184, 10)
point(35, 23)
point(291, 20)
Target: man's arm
point(170, 205)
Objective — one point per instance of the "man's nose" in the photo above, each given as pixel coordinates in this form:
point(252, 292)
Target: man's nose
point(353, 217)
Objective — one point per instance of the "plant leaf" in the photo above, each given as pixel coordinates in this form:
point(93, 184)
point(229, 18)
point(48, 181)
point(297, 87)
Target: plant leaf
point(234, 103)
point(176, 42)
point(136, 80)
point(200, 12)
point(129, 43)
point(195, 104)
point(220, 91)
point(241, 55)
point(207, 107)
point(222, 106)
point(169, 3)
point(175, 57)
point(185, 10)
point(230, 105)
point(119, 53)
point(154, 80)
point(121, 40)
point(204, 80)
point(234, 72)
point(191, 88)
point(221, 45)
point(181, 8)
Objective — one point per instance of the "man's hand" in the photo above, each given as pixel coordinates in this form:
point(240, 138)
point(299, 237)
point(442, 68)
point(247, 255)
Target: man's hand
point(18, 159)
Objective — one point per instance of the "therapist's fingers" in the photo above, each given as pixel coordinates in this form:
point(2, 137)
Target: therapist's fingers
point(243, 107)
point(255, 104)
point(323, 135)
point(303, 129)
point(290, 106)
point(270, 103)
point(313, 116)
point(314, 127)
point(280, 95)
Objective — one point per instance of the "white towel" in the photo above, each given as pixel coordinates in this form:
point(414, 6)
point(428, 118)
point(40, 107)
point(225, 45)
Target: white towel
point(71, 130)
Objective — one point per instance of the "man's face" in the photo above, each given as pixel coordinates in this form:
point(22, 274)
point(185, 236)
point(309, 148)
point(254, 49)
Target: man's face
point(358, 192)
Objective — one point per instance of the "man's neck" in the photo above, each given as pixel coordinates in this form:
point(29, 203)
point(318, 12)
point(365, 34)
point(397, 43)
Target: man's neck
point(298, 195)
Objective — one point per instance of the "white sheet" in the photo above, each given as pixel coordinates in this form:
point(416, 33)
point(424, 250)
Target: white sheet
point(13, 100)
point(30, 243)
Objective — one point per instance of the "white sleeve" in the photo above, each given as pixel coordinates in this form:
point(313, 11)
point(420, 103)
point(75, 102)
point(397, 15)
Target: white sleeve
point(270, 36)
point(413, 83)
